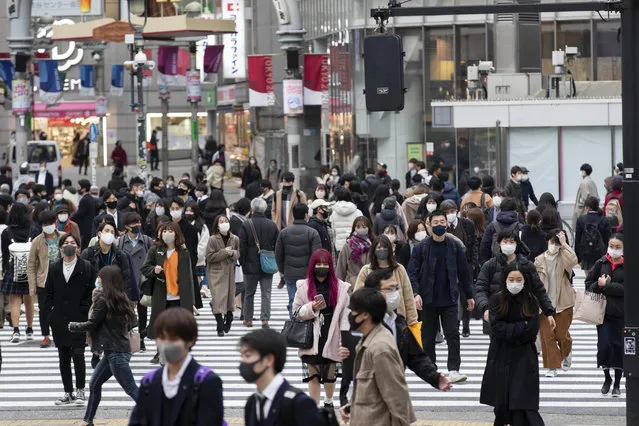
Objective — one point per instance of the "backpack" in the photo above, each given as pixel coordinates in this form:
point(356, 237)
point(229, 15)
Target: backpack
point(495, 248)
point(592, 246)
point(286, 417)
point(18, 260)
point(191, 403)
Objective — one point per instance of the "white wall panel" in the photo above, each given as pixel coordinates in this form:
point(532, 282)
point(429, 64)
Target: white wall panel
point(618, 158)
point(536, 149)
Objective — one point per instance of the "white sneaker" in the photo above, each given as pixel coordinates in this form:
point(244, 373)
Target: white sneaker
point(196, 312)
point(15, 337)
point(455, 377)
point(567, 362)
point(552, 372)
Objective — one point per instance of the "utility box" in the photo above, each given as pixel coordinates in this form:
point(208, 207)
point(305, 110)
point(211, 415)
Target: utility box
point(513, 86)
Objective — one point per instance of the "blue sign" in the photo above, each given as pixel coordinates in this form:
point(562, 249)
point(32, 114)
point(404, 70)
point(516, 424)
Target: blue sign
point(93, 132)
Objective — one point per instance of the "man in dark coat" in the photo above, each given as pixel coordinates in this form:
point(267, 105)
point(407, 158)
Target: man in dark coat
point(44, 177)
point(318, 222)
point(507, 219)
point(513, 190)
point(527, 191)
point(86, 211)
point(191, 240)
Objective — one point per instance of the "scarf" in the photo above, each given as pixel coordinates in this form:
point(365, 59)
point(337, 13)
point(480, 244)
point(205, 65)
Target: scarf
point(612, 263)
point(360, 246)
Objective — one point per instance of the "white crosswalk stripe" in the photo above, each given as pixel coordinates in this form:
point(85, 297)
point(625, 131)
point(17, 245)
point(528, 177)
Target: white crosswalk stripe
point(30, 375)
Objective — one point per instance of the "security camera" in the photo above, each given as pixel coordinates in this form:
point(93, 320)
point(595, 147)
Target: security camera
point(139, 62)
point(572, 52)
point(485, 67)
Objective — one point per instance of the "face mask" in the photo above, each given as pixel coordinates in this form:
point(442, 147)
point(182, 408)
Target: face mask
point(515, 288)
point(63, 217)
point(553, 249)
point(362, 232)
point(224, 227)
point(136, 229)
point(287, 185)
point(524, 178)
point(107, 238)
point(411, 166)
point(111, 204)
point(23, 200)
point(615, 254)
point(190, 217)
point(324, 214)
point(247, 372)
point(69, 251)
point(392, 301)
point(320, 195)
point(159, 211)
point(49, 229)
point(182, 191)
point(139, 194)
point(321, 271)
point(419, 236)
point(58, 197)
point(352, 320)
point(497, 201)
point(198, 194)
point(172, 352)
point(382, 254)
point(176, 214)
point(439, 230)
point(97, 283)
point(518, 178)
point(431, 207)
point(334, 173)
point(168, 238)
point(450, 217)
point(251, 162)
point(43, 169)
point(169, 183)
point(508, 249)
point(392, 238)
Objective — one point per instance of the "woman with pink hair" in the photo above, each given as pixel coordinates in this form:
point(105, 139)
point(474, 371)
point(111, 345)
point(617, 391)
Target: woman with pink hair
point(322, 298)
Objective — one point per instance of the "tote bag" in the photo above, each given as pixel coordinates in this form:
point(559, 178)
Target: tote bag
point(134, 341)
point(590, 307)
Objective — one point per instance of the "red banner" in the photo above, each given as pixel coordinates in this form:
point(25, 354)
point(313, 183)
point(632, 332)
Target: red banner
point(316, 79)
point(260, 77)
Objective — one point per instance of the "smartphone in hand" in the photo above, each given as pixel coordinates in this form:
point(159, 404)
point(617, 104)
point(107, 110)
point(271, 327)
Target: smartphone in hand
point(320, 298)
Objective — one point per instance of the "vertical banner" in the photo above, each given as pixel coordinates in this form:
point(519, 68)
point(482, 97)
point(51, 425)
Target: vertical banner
point(173, 63)
point(87, 80)
point(101, 106)
point(6, 72)
point(21, 96)
point(293, 97)
point(117, 80)
point(235, 51)
point(213, 59)
point(147, 75)
point(193, 88)
point(50, 89)
point(316, 79)
point(260, 77)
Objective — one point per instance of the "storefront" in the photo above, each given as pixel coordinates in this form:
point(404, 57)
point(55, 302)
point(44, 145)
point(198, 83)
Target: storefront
point(179, 132)
point(234, 124)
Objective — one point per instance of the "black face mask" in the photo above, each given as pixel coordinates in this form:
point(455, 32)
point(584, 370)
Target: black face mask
point(324, 214)
point(353, 322)
point(321, 271)
point(69, 250)
point(189, 216)
point(136, 229)
point(182, 191)
point(111, 204)
point(247, 373)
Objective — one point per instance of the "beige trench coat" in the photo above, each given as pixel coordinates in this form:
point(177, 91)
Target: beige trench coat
point(220, 269)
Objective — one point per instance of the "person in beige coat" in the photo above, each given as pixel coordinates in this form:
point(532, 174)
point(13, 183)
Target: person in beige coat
point(284, 201)
point(587, 188)
point(356, 252)
point(222, 251)
point(322, 298)
point(44, 251)
point(555, 271)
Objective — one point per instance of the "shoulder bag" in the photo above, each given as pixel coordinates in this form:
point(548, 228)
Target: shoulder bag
point(590, 307)
point(267, 258)
point(298, 333)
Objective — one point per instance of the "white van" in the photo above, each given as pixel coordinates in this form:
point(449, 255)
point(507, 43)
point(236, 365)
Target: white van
point(37, 152)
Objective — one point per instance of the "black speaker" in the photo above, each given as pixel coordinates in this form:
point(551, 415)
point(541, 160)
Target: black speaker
point(22, 59)
point(292, 59)
point(384, 73)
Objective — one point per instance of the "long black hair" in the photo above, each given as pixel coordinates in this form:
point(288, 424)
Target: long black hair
point(383, 242)
point(117, 302)
point(528, 302)
point(20, 215)
point(381, 193)
point(194, 206)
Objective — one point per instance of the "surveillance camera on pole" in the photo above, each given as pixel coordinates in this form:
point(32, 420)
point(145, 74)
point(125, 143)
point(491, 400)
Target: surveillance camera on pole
point(139, 62)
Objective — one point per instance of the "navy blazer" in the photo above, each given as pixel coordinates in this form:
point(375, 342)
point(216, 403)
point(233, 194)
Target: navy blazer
point(210, 410)
point(305, 410)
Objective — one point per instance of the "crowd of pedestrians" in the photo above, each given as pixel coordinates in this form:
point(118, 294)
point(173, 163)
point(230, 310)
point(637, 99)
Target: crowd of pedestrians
point(380, 277)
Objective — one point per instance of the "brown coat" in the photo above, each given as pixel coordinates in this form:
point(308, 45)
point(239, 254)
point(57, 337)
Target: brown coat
point(276, 209)
point(347, 270)
point(38, 265)
point(220, 270)
point(380, 394)
point(566, 261)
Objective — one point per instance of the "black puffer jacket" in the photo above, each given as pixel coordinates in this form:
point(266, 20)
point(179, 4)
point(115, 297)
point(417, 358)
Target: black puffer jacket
point(491, 276)
point(295, 245)
point(267, 233)
point(388, 217)
point(107, 332)
point(614, 290)
point(322, 230)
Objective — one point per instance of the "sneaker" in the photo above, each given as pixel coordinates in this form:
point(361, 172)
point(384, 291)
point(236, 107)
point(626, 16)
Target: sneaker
point(466, 333)
point(196, 312)
point(156, 359)
point(142, 346)
point(15, 337)
point(616, 392)
point(29, 333)
point(80, 396)
point(328, 404)
point(567, 362)
point(45, 343)
point(606, 387)
point(455, 377)
point(552, 372)
point(67, 399)
point(439, 338)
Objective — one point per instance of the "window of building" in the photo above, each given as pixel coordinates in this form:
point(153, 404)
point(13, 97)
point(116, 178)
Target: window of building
point(471, 49)
point(547, 46)
point(608, 45)
point(577, 34)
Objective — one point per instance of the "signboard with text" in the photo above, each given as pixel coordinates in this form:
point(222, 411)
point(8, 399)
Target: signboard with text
point(66, 7)
point(234, 56)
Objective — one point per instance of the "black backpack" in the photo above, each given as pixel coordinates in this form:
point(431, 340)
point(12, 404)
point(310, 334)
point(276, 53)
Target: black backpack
point(592, 246)
point(496, 249)
point(328, 417)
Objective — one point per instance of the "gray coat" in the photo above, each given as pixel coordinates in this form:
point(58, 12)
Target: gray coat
point(137, 253)
point(295, 245)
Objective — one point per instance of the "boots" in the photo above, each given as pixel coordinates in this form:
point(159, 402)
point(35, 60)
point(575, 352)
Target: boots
point(219, 319)
point(228, 321)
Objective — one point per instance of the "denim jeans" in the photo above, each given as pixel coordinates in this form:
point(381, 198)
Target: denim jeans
point(291, 287)
point(112, 364)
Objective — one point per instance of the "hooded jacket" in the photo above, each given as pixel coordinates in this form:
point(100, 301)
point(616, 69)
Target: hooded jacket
point(411, 205)
point(389, 217)
point(450, 193)
point(506, 220)
point(341, 220)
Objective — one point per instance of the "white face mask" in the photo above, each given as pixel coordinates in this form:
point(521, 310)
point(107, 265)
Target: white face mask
point(508, 249)
point(524, 178)
point(497, 201)
point(419, 236)
point(518, 178)
point(175, 214)
point(140, 194)
point(320, 195)
point(450, 217)
point(392, 300)
point(168, 237)
point(615, 254)
point(515, 288)
point(58, 197)
point(49, 229)
point(159, 211)
point(553, 248)
point(43, 169)
point(198, 194)
point(107, 238)
point(411, 166)
point(224, 227)
point(63, 217)
point(361, 231)
point(392, 238)
point(431, 207)
point(334, 173)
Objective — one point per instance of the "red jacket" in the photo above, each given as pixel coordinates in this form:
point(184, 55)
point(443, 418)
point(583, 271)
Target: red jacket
point(119, 156)
point(614, 195)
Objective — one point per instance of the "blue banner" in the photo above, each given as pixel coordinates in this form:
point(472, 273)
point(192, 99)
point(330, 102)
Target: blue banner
point(6, 72)
point(117, 80)
point(50, 81)
point(87, 80)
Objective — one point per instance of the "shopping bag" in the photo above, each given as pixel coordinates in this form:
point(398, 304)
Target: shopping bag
point(590, 307)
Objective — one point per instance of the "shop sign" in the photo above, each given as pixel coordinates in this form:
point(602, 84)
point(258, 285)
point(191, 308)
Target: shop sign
point(430, 149)
point(193, 88)
point(415, 150)
point(235, 47)
point(283, 15)
point(13, 9)
point(209, 96)
point(293, 97)
point(67, 54)
point(226, 95)
point(101, 104)
point(21, 96)
point(66, 7)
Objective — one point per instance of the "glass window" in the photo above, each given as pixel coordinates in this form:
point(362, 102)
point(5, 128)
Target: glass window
point(608, 51)
point(476, 155)
point(547, 47)
point(472, 49)
point(40, 153)
point(577, 34)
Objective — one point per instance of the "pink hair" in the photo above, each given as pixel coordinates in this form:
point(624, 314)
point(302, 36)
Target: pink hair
point(322, 256)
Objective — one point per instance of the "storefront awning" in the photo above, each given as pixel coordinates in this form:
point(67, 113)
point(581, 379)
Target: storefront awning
point(82, 31)
point(172, 27)
point(65, 110)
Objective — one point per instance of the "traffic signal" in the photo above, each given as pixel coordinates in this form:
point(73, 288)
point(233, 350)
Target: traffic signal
point(384, 73)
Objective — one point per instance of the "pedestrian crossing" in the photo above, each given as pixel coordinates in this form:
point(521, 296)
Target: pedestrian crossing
point(30, 375)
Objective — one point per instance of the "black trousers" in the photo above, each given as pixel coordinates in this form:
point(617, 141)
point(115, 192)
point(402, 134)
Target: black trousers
point(430, 323)
point(43, 316)
point(84, 161)
point(143, 313)
point(155, 159)
point(65, 354)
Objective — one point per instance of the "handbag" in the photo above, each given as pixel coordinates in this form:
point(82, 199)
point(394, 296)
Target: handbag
point(134, 341)
point(298, 332)
point(267, 257)
point(590, 307)
point(146, 300)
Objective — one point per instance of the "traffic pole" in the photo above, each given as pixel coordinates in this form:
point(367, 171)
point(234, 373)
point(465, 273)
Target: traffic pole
point(165, 95)
point(194, 101)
